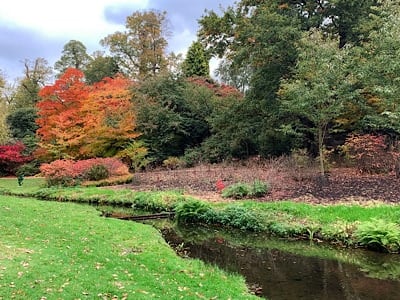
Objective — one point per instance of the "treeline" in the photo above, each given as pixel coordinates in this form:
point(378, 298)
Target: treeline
point(312, 75)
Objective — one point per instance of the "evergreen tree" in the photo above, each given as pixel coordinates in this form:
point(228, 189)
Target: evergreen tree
point(196, 62)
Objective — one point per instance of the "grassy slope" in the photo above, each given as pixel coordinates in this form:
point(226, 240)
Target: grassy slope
point(336, 222)
point(51, 250)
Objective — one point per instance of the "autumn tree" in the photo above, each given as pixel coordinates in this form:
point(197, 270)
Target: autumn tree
point(59, 115)
point(196, 62)
point(140, 49)
point(77, 120)
point(74, 55)
point(109, 118)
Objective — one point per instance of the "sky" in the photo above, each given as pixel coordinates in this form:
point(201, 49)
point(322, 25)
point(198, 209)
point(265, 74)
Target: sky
point(32, 29)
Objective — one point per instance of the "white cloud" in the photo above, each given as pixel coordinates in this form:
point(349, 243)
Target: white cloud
point(40, 28)
point(54, 18)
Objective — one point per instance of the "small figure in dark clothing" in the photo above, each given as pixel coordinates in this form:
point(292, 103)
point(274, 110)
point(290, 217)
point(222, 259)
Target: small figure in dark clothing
point(20, 179)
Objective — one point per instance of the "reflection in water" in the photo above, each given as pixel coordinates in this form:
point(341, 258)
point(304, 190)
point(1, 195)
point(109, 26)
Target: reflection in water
point(281, 275)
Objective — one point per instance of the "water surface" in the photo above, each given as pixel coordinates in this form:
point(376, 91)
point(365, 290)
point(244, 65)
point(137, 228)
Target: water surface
point(281, 270)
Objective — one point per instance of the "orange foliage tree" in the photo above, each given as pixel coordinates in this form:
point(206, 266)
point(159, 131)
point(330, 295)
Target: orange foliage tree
point(80, 121)
point(60, 117)
point(109, 118)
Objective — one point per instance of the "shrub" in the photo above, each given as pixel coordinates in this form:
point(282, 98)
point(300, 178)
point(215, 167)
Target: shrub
point(379, 235)
point(135, 155)
point(369, 153)
point(69, 172)
point(97, 172)
point(192, 157)
point(258, 189)
point(191, 211)
point(240, 218)
point(173, 163)
point(236, 191)
point(28, 169)
point(11, 157)
point(243, 190)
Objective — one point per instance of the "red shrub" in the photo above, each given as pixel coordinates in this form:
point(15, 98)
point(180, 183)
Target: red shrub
point(219, 185)
point(68, 172)
point(370, 153)
point(11, 157)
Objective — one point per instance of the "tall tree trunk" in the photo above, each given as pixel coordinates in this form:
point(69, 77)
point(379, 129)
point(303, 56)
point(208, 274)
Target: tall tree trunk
point(321, 151)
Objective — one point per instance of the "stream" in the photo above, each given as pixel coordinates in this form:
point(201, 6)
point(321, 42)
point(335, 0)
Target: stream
point(282, 270)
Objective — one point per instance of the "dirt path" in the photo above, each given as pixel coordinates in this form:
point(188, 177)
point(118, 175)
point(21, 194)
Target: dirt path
point(342, 185)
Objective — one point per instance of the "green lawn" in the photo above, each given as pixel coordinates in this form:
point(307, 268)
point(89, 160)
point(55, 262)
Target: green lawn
point(352, 224)
point(52, 250)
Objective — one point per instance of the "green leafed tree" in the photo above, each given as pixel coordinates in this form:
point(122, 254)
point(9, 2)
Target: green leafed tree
point(74, 55)
point(320, 87)
point(378, 69)
point(22, 122)
point(100, 67)
point(4, 130)
point(140, 50)
point(36, 74)
point(196, 62)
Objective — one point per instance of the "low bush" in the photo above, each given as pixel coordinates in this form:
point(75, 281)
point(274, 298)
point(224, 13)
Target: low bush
point(379, 235)
point(157, 201)
point(370, 153)
point(240, 218)
point(236, 191)
point(241, 190)
point(110, 181)
point(70, 172)
point(258, 189)
point(173, 163)
point(96, 173)
point(29, 169)
point(191, 211)
point(11, 157)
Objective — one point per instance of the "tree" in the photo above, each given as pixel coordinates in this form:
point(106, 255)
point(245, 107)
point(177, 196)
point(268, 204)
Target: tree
point(348, 19)
point(36, 74)
point(173, 114)
point(22, 122)
point(77, 120)
point(74, 55)
point(378, 69)
point(257, 44)
point(320, 87)
point(109, 118)
point(4, 129)
point(3, 111)
point(100, 67)
point(140, 50)
point(59, 115)
point(196, 62)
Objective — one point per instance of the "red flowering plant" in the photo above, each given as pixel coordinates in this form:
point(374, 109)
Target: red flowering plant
point(219, 185)
point(11, 157)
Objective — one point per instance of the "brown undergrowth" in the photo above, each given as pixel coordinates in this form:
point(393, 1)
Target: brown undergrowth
point(286, 179)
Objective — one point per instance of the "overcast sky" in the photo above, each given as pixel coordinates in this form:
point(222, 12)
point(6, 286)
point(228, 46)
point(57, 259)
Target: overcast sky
point(40, 28)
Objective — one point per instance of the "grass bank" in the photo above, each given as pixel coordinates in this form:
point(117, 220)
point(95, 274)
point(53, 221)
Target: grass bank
point(53, 250)
point(374, 225)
